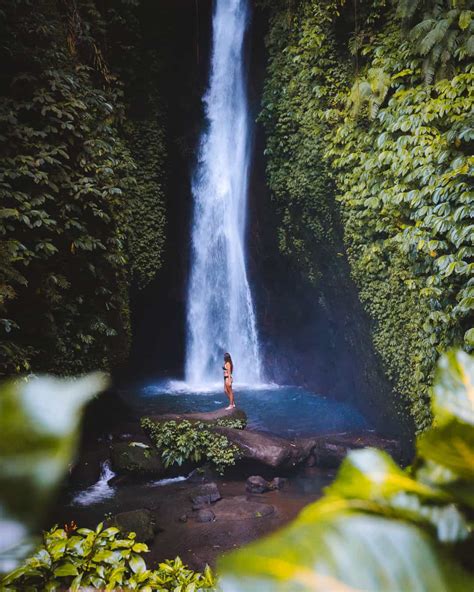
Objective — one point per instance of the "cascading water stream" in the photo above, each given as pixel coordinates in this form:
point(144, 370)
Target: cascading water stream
point(220, 314)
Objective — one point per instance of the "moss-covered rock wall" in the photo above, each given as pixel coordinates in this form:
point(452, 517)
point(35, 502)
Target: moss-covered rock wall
point(367, 110)
point(81, 182)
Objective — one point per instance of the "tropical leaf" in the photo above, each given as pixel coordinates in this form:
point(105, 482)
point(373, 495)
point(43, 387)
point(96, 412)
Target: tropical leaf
point(451, 446)
point(453, 391)
point(343, 552)
point(36, 447)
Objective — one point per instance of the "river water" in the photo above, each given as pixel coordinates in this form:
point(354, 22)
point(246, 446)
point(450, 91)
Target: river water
point(288, 411)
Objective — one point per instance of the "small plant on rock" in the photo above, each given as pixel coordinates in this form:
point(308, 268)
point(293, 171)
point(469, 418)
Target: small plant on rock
point(179, 441)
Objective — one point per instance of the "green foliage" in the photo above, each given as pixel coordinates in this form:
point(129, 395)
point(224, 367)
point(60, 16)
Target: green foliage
point(299, 87)
point(36, 447)
point(396, 153)
point(178, 441)
point(379, 527)
point(443, 36)
point(148, 218)
point(237, 424)
point(74, 559)
point(406, 197)
point(71, 242)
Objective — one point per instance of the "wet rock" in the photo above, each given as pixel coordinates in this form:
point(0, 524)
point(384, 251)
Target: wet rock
point(269, 450)
point(277, 483)
point(210, 417)
point(257, 484)
point(141, 522)
point(205, 516)
point(136, 460)
point(330, 450)
point(85, 473)
point(327, 450)
point(118, 480)
point(201, 475)
point(204, 495)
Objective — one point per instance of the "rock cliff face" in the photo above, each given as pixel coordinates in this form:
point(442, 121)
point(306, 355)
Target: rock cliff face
point(313, 328)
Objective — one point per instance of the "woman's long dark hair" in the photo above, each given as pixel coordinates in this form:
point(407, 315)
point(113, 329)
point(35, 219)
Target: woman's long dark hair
point(227, 358)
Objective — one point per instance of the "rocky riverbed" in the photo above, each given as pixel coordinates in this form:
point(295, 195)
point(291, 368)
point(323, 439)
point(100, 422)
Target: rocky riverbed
point(192, 511)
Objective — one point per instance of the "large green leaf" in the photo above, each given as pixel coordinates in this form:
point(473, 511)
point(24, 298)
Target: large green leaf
point(453, 391)
point(373, 474)
point(39, 419)
point(451, 446)
point(343, 552)
point(370, 480)
point(447, 520)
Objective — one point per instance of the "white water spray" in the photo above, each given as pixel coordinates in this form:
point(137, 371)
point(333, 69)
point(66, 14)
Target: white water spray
point(220, 313)
point(99, 491)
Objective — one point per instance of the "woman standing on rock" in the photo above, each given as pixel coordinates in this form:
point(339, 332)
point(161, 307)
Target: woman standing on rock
point(228, 368)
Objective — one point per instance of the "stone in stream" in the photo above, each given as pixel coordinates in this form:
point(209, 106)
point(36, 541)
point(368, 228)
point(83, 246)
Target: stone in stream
point(141, 522)
point(205, 516)
point(137, 460)
point(271, 451)
point(277, 483)
point(204, 495)
point(257, 484)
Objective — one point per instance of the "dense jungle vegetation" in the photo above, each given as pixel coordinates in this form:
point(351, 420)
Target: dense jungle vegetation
point(377, 527)
point(81, 181)
point(370, 103)
point(367, 111)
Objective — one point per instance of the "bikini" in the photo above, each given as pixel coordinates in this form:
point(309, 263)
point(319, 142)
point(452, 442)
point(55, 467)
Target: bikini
point(226, 375)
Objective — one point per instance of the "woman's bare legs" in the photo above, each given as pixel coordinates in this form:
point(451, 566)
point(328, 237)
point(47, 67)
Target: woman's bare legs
point(230, 393)
point(226, 391)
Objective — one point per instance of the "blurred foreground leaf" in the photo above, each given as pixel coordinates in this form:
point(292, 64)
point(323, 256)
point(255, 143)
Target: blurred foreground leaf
point(343, 552)
point(379, 527)
point(39, 421)
point(453, 391)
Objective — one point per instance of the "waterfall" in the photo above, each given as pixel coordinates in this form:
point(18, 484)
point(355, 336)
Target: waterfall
point(220, 313)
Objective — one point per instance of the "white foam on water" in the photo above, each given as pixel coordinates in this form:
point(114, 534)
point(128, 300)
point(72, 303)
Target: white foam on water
point(99, 491)
point(181, 387)
point(161, 482)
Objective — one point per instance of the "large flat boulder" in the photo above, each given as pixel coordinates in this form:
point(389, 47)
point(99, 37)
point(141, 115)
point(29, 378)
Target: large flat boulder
point(239, 508)
point(326, 450)
point(129, 459)
point(269, 450)
point(210, 417)
point(330, 450)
